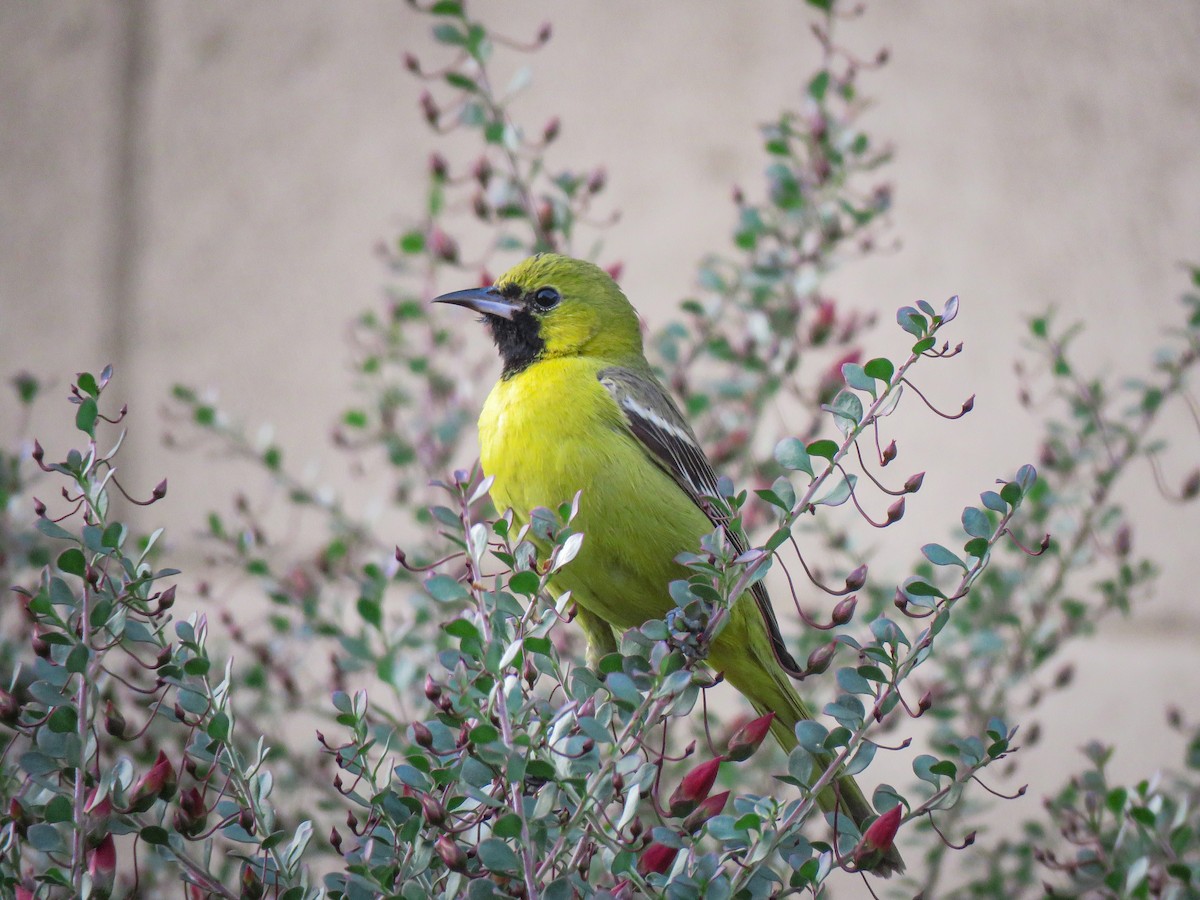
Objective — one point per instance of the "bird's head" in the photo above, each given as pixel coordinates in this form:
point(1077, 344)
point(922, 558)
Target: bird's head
point(554, 306)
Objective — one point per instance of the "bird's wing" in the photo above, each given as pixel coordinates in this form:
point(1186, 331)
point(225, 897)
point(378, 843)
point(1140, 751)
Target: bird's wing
point(660, 428)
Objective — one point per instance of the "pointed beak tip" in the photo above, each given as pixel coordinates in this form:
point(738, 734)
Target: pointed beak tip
point(486, 300)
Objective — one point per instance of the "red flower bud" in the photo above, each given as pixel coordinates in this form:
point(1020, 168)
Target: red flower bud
point(10, 709)
point(844, 611)
point(192, 814)
point(694, 787)
point(335, 839)
point(914, 482)
point(252, 886)
point(856, 579)
point(158, 782)
point(167, 600)
point(889, 453)
point(819, 659)
point(442, 245)
point(896, 511)
point(550, 132)
point(544, 32)
point(657, 858)
point(597, 180)
point(711, 806)
point(114, 722)
point(749, 738)
point(433, 690)
point(878, 838)
point(422, 735)
point(451, 854)
point(433, 809)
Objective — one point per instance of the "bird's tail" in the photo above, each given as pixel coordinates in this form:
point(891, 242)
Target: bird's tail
point(770, 689)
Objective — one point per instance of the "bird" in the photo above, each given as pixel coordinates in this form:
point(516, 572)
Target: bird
point(577, 407)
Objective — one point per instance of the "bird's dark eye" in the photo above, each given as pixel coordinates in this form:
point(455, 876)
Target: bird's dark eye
point(545, 298)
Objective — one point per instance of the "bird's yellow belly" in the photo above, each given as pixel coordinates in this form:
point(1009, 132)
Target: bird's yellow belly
point(634, 518)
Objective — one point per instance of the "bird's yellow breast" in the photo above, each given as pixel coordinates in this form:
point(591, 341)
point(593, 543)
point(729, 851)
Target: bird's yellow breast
point(552, 430)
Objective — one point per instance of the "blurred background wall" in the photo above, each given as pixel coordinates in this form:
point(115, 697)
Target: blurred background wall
point(193, 193)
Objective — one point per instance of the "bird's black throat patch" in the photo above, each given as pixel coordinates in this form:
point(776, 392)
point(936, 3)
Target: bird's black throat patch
point(518, 341)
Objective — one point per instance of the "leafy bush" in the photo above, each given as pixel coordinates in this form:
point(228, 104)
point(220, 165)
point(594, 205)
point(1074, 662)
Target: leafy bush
point(464, 748)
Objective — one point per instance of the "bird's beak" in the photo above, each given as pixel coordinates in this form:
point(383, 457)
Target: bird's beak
point(486, 300)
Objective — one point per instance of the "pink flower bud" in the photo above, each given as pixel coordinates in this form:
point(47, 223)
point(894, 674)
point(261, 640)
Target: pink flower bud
point(749, 738)
point(889, 453)
point(914, 482)
point(896, 511)
point(102, 866)
point(694, 787)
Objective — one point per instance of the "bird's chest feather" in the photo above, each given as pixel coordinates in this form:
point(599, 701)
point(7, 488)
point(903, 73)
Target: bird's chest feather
point(542, 434)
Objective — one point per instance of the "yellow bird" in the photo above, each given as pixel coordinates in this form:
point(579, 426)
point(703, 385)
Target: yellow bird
point(577, 407)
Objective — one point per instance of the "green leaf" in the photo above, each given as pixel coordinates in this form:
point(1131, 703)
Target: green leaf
point(819, 85)
point(918, 588)
point(45, 838)
point(526, 583)
point(923, 768)
point(85, 417)
point(940, 556)
point(994, 502)
point(154, 835)
point(497, 856)
point(825, 449)
point(59, 809)
point(1011, 493)
point(924, 345)
point(847, 411)
point(912, 321)
point(881, 369)
point(856, 377)
point(507, 826)
point(449, 34)
point(371, 611)
point(850, 681)
point(63, 720)
point(87, 383)
point(218, 728)
point(976, 523)
point(72, 562)
point(861, 759)
point(791, 454)
point(976, 547)
point(77, 659)
point(445, 589)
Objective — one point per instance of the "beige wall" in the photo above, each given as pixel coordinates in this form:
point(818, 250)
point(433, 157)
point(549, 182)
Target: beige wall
point(192, 191)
